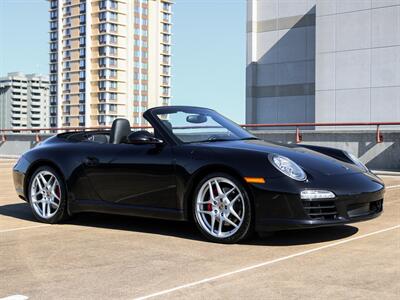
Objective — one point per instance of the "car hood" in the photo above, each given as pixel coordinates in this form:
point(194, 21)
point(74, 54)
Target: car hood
point(311, 161)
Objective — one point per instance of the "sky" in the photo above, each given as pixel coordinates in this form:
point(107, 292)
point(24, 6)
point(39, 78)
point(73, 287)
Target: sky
point(209, 56)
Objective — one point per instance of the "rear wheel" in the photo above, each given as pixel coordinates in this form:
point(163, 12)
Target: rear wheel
point(222, 209)
point(47, 195)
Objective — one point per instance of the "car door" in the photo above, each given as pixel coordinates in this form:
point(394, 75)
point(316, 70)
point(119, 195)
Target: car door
point(135, 175)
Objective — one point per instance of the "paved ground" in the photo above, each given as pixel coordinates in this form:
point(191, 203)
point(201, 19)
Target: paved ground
point(110, 257)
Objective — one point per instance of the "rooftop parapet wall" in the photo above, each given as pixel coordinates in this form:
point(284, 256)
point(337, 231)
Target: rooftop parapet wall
point(377, 156)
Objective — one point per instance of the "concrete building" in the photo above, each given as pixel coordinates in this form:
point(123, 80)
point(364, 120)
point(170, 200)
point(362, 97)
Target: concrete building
point(108, 59)
point(24, 101)
point(323, 61)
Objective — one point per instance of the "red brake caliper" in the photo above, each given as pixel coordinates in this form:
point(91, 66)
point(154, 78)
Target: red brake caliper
point(209, 207)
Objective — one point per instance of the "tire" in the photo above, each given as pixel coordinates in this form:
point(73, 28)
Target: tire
point(47, 195)
point(236, 215)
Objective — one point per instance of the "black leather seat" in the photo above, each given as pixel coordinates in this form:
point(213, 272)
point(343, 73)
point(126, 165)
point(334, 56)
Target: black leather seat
point(119, 131)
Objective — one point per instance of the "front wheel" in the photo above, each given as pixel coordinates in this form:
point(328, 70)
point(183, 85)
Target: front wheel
point(47, 195)
point(222, 209)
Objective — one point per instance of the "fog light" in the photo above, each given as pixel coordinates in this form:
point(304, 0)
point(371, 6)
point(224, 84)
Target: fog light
point(316, 194)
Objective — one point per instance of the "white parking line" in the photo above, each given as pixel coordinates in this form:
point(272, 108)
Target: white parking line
point(24, 228)
point(15, 297)
point(263, 264)
point(392, 187)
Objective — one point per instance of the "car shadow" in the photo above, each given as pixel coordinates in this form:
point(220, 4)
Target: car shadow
point(187, 230)
point(304, 236)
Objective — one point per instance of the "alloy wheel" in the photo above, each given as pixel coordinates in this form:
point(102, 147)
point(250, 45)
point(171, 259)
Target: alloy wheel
point(220, 207)
point(45, 194)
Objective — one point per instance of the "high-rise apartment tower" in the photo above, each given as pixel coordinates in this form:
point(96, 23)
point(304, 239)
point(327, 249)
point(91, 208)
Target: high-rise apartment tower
point(24, 101)
point(108, 59)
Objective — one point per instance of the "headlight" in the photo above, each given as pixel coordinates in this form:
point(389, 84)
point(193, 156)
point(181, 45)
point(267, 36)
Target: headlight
point(288, 167)
point(357, 162)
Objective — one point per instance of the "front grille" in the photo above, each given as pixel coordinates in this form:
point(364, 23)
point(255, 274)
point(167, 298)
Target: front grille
point(320, 210)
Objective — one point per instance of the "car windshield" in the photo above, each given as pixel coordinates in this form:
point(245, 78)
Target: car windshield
point(195, 125)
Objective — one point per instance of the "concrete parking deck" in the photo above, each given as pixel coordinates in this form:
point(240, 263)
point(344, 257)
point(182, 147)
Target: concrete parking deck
point(111, 257)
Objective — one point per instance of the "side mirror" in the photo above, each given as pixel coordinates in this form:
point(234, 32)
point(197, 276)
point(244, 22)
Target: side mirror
point(139, 138)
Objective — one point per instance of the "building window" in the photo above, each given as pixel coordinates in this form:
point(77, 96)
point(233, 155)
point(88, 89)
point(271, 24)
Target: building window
point(82, 41)
point(53, 14)
point(166, 6)
point(67, 10)
point(81, 86)
point(53, 36)
point(67, 87)
point(67, 43)
point(53, 25)
point(82, 7)
point(82, 30)
point(102, 39)
point(102, 62)
point(108, 16)
point(53, 78)
point(113, 39)
point(53, 46)
point(81, 75)
point(102, 51)
point(113, 4)
point(102, 73)
point(113, 27)
point(53, 68)
point(82, 97)
point(113, 16)
point(67, 21)
point(53, 121)
point(113, 50)
point(53, 57)
point(82, 19)
point(103, 27)
point(81, 120)
point(82, 64)
point(82, 52)
point(102, 85)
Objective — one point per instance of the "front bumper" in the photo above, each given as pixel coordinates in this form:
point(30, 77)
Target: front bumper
point(280, 211)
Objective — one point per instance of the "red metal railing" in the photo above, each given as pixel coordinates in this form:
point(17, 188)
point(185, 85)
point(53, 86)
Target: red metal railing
point(299, 137)
point(297, 126)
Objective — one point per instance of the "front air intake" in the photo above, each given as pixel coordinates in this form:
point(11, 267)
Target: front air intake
point(320, 210)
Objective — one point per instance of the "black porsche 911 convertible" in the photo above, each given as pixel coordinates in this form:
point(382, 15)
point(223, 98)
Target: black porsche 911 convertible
point(194, 164)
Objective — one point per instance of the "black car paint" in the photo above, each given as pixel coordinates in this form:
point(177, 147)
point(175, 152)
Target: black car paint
point(158, 180)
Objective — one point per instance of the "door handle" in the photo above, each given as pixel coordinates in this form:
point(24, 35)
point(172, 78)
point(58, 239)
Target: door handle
point(91, 161)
